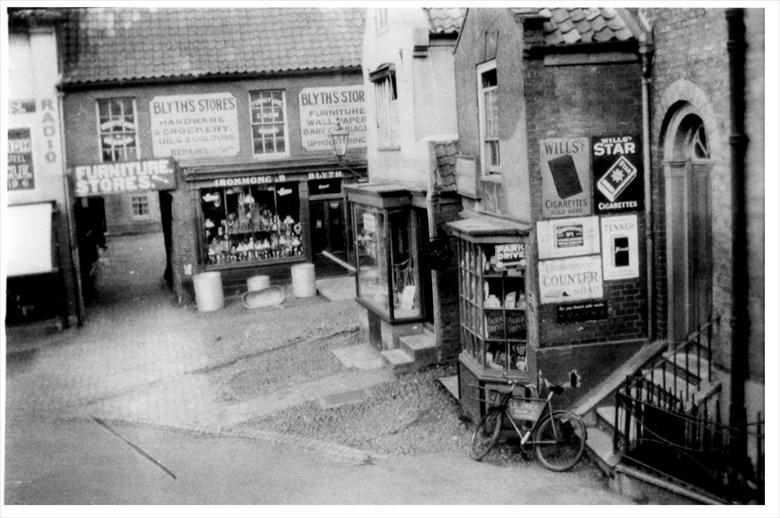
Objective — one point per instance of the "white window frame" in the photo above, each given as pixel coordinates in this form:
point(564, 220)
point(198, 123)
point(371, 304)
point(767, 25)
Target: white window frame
point(387, 112)
point(486, 167)
point(380, 19)
point(137, 196)
point(252, 124)
point(100, 131)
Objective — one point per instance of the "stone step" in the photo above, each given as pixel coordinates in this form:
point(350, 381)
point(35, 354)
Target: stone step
point(606, 417)
point(421, 347)
point(695, 369)
point(399, 361)
point(681, 386)
point(599, 449)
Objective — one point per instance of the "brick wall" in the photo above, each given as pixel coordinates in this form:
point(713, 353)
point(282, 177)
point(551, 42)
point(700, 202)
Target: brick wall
point(583, 101)
point(448, 320)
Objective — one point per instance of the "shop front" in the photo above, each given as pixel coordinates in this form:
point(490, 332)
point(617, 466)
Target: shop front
point(496, 310)
point(393, 283)
point(251, 220)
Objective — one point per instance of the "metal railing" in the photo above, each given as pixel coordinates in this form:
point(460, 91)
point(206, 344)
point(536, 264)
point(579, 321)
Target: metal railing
point(668, 421)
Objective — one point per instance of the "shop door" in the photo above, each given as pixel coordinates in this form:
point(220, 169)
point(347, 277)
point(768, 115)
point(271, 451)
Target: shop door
point(327, 226)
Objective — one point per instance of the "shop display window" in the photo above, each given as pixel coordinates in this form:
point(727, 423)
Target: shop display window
point(251, 224)
point(388, 276)
point(493, 304)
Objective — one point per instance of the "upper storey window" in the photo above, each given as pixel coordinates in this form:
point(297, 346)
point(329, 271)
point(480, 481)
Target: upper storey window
point(117, 129)
point(387, 121)
point(269, 122)
point(487, 102)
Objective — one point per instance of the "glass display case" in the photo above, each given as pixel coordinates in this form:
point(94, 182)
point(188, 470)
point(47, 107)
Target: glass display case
point(492, 293)
point(251, 224)
point(388, 273)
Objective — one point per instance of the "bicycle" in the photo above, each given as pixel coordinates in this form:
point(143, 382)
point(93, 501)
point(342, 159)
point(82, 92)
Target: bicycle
point(557, 436)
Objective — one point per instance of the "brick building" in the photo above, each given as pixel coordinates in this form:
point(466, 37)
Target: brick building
point(553, 272)
point(226, 113)
point(406, 284)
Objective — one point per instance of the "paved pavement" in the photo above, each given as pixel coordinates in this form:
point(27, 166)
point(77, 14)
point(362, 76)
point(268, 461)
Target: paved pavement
point(289, 382)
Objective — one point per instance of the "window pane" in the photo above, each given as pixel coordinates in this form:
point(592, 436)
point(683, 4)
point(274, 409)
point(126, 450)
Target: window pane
point(268, 117)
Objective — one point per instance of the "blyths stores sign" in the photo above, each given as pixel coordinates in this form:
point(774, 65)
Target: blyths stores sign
point(124, 177)
point(617, 174)
point(194, 126)
point(566, 183)
point(322, 108)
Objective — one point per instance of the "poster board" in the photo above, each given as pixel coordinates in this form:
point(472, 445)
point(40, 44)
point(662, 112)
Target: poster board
point(567, 237)
point(566, 180)
point(28, 245)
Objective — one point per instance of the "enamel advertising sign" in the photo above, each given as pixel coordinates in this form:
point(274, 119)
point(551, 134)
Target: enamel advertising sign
point(617, 174)
point(20, 162)
point(619, 236)
point(567, 237)
point(566, 182)
point(569, 280)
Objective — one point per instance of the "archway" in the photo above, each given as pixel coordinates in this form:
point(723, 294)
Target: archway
point(687, 181)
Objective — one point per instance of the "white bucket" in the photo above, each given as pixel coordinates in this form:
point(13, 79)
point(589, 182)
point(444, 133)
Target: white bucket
point(208, 291)
point(303, 280)
point(258, 282)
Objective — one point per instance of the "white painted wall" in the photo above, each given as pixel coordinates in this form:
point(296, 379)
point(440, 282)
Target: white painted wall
point(426, 94)
point(33, 75)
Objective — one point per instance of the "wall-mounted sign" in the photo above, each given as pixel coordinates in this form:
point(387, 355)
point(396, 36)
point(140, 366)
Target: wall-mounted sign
point(617, 174)
point(466, 176)
point(194, 126)
point(582, 311)
point(124, 177)
point(322, 108)
point(369, 222)
point(19, 106)
point(567, 280)
point(566, 182)
point(248, 180)
point(510, 255)
point(325, 175)
point(494, 324)
point(20, 164)
point(568, 237)
point(619, 247)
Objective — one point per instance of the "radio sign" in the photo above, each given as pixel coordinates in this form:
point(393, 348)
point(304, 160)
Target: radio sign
point(617, 174)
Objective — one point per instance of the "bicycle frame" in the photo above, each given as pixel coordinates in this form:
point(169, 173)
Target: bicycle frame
point(525, 438)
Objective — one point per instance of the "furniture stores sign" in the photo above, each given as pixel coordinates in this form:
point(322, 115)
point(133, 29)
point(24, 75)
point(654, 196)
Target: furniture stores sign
point(567, 280)
point(322, 108)
point(194, 126)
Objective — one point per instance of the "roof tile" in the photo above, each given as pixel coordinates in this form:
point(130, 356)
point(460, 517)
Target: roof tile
point(135, 43)
point(584, 25)
point(445, 20)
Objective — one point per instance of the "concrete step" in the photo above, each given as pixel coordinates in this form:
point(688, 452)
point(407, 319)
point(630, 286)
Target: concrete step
point(421, 347)
point(399, 361)
point(599, 448)
point(606, 418)
point(647, 487)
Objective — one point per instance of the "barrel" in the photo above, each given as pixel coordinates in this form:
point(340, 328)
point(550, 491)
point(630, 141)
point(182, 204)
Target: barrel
point(303, 280)
point(258, 282)
point(208, 291)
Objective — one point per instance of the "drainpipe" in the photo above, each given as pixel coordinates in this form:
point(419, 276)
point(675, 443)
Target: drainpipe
point(740, 323)
point(72, 241)
point(646, 55)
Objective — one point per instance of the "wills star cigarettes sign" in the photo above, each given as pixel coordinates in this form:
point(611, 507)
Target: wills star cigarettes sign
point(566, 182)
point(617, 174)
point(568, 280)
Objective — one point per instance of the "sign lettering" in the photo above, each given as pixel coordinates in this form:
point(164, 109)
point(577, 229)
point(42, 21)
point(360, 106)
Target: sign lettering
point(566, 181)
point(124, 177)
point(566, 280)
point(20, 163)
point(617, 174)
point(322, 108)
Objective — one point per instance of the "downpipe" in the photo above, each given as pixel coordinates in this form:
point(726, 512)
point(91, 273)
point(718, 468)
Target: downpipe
point(646, 54)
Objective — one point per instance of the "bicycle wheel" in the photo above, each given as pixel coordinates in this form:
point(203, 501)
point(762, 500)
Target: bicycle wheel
point(486, 434)
point(565, 436)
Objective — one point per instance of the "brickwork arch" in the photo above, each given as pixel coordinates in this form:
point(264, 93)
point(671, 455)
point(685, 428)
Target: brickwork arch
point(680, 93)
